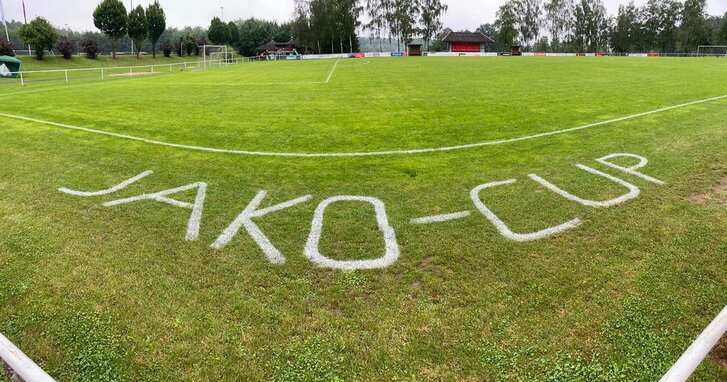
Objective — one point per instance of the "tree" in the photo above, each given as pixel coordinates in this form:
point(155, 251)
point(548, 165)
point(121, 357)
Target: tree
point(590, 27)
point(722, 35)
point(138, 28)
point(110, 18)
point(253, 33)
point(559, 22)
point(430, 14)
point(157, 24)
point(694, 29)
point(65, 47)
point(528, 14)
point(234, 33)
point(506, 25)
point(40, 35)
point(406, 14)
point(7, 48)
point(217, 32)
point(627, 26)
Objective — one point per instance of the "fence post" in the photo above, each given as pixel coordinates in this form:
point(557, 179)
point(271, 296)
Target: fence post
point(22, 82)
point(101, 74)
point(170, 68)
point(131, 71)
point(66, 76)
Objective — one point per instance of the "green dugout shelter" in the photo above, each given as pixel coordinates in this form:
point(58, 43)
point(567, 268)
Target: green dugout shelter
point(12, 65)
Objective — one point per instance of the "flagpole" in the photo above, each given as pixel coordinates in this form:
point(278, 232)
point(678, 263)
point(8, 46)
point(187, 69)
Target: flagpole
point(25, 18)
point(2, 13)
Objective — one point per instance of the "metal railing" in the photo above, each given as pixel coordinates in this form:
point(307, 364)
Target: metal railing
point(102, 73)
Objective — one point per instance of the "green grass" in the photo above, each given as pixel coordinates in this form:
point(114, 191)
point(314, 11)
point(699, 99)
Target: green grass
point(95, 293)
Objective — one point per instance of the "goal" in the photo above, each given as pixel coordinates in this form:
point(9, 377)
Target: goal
point(712, 50)
point(216, 55)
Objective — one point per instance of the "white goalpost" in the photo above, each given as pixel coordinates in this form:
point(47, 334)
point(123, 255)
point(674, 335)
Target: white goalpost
point(712, 50)
point(216, 54)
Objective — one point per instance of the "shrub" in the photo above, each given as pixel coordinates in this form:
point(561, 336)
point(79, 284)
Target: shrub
point(7, 48)
point(167, 48)
point(65, 47)
point(90, 48)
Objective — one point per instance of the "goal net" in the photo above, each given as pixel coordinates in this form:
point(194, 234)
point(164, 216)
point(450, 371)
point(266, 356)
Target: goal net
point(712, 50)
point(217, 55)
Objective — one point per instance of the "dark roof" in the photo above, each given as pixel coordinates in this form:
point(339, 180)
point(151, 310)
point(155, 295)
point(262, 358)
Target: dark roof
point(475, 37)
point(274, 45)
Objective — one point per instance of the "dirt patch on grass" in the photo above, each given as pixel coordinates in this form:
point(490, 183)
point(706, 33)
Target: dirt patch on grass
point(716, 194)
point(719, 353)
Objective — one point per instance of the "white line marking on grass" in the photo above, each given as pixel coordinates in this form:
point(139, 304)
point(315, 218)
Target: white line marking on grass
point(698, 350)
point(330, 74)
point(632, 194)
point(504, 229)
point(360, 154)
point(107, 191)
point(312, 251)
point(441, 218)
point(630, 170)
point(245, 219)
point(195, 217)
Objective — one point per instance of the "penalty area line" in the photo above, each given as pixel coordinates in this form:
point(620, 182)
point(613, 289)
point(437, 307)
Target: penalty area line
point(360, 154)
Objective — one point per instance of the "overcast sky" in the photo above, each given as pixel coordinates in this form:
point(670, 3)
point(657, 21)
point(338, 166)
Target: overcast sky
point(463, 14)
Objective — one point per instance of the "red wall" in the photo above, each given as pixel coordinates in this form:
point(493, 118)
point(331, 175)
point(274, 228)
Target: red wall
point(465, 47)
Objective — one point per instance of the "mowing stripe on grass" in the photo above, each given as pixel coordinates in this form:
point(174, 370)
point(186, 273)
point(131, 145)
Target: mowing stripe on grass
point(361, 154)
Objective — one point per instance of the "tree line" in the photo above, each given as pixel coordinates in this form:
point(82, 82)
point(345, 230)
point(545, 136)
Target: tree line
point(665, 26)
point(333, 26)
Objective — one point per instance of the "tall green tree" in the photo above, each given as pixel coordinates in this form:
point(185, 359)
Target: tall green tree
point(111, 19)
point(694, 30)
point(233, 34)
point(217, 32)
point(406, 13)
point(528, 14)
point(40, 35)
point(591, 26)
point(430, 18)
point(626, 28)
point(558, 20)
point(506, 25)
point(253, 33)
point(157, 23)
point(722, 35)
point(138, 28)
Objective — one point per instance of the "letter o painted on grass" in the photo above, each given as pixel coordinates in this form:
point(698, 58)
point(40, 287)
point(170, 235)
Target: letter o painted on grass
point(392, 247)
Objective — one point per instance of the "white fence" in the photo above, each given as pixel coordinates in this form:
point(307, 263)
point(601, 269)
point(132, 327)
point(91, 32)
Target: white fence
point(27, 77)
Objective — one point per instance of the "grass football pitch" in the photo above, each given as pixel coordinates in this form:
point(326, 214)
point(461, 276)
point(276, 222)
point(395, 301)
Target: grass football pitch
point(497, 247)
